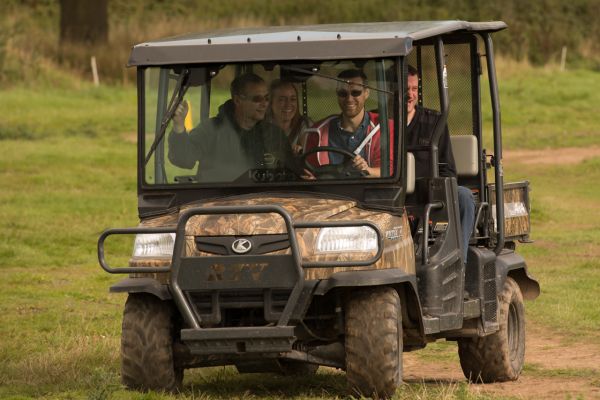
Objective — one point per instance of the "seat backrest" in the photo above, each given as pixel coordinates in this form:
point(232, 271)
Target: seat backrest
point(464, 149)
point(410, 173)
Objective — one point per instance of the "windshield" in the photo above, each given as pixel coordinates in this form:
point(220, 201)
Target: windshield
point(268, 123)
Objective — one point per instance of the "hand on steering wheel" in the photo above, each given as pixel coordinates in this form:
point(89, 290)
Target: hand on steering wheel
point(332, 171)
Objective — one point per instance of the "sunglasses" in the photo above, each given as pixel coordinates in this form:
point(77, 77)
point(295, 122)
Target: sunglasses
point(344, 93)
point(256, 98)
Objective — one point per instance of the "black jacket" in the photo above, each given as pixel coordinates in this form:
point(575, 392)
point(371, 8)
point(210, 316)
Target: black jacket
point(419, 133)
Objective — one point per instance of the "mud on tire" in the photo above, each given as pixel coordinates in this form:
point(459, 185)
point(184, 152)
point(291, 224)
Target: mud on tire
point(374, 342)
point(498, 357)
point(147, 361)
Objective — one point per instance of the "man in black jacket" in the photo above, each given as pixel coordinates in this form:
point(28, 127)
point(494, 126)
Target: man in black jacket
point(421, 124)
point(234, 142)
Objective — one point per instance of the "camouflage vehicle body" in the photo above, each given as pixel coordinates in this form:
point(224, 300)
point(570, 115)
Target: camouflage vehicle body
point(284, 306)
point(398, 245)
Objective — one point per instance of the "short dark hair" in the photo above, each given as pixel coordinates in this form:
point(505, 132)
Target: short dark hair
point(241, 81)
point(353, 73)
point(412, 71)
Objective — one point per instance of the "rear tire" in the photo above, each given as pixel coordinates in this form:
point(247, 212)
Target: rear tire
point(500, 356)
point(147, 361)
point(374, 342)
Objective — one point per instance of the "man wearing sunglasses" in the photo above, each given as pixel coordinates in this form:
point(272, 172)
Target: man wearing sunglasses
point(236, 140)
point(351, 129)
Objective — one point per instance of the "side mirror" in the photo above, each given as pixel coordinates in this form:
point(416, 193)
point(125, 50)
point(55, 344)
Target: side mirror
point(410, 173)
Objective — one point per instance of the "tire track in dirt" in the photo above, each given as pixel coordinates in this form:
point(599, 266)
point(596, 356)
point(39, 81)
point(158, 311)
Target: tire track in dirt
point(562, 156)
point(556, 368)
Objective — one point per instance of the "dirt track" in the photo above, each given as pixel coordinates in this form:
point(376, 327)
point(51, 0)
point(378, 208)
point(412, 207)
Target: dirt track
point(566, 155)
point(554, 370)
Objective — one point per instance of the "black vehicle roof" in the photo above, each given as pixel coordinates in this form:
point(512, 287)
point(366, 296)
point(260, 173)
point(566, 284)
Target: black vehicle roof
point(308, 42)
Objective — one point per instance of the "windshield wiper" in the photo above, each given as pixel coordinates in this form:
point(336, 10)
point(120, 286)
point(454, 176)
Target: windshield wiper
point(178, 93)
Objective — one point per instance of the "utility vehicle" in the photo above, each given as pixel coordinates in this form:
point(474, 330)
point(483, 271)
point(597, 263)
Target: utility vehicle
point(272, 272)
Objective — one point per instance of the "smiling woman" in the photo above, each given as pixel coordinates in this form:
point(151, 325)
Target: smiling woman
point(284, 113)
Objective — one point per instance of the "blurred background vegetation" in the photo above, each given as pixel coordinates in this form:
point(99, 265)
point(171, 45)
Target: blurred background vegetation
point(34, 48)
point(68, 170)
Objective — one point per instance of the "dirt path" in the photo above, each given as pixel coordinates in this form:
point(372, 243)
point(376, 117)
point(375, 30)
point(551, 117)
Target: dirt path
point(554, 369)
point(566, 155)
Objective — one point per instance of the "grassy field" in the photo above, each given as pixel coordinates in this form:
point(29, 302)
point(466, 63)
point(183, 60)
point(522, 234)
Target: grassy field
point(543, 107)
point(67, 172)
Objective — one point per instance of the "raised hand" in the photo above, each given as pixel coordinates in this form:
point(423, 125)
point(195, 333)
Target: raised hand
point(179, 117)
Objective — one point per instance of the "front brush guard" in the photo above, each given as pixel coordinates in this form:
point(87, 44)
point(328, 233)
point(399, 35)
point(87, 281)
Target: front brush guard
point(237, 272)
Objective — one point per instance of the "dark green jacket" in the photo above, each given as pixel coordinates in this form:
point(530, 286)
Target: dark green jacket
point(224, 151)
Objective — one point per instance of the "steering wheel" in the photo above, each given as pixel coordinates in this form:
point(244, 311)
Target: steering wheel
point(333, 171)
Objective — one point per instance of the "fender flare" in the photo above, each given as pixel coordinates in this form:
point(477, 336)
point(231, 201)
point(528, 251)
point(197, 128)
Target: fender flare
point(509, 263)
point(362, 278)
point(401, 281)
point(142, 285)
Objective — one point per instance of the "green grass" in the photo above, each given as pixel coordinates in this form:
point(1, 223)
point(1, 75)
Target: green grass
point(547, 108)
point(87, 112)
point(566, 258)
point(536, 370)
point(67, 172)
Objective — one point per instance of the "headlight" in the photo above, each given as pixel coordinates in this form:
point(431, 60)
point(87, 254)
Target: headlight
point(347, 239)
point(154, 245)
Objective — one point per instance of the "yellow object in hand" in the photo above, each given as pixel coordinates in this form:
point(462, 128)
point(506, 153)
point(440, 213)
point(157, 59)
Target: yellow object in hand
point(188, 117)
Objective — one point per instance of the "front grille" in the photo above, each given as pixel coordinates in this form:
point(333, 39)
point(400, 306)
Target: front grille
point(241, 299)
point(279, 299)
point(260, 244)
point(211, 306)
point(202, 303)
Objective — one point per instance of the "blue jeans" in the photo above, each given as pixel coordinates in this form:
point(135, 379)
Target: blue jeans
point(466, 207)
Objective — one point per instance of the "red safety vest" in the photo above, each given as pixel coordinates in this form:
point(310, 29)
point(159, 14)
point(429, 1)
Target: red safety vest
point(318, 135)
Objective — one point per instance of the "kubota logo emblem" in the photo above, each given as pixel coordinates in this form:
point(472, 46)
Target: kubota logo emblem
point(241, 246)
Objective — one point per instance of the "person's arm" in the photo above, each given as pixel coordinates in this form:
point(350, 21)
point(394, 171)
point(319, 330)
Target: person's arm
point(181, 151)
point(299, 133)
point(184, 147)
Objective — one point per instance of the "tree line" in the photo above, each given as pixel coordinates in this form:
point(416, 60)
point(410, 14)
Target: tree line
point(69, 32)
point(538, 29)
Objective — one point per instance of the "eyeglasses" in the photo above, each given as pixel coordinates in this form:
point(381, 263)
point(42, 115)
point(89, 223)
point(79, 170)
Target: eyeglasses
point(344, 93)
point(257, 98)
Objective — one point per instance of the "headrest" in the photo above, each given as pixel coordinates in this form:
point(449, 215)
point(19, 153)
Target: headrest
point(464, 149)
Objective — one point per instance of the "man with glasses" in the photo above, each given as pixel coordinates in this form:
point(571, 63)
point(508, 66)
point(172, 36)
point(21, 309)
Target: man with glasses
point(236, 140)
point(350, 130)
